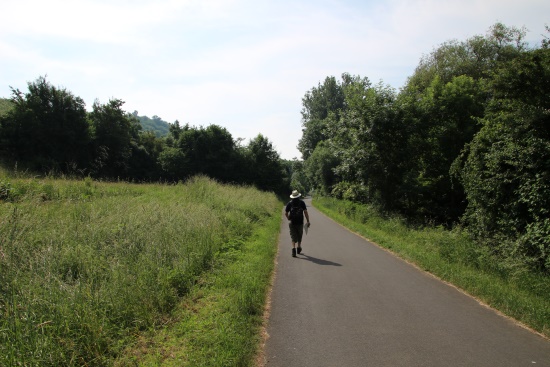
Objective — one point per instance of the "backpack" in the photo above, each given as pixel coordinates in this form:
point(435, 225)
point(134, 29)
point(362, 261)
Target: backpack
point(296, 214)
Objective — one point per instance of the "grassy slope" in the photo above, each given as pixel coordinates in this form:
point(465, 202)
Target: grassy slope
point(5, 105)
point(453, 257)
point(88, 267)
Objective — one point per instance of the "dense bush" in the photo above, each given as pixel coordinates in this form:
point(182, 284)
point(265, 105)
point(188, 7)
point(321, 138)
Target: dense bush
point(506, 173)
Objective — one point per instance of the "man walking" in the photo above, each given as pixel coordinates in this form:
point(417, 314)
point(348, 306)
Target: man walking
point(294, 211)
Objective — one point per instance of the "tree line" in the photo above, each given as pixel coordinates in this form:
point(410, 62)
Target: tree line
point(466, 141)
point(48, 129)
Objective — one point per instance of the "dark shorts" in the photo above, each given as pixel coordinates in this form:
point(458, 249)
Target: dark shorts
point(296, 232)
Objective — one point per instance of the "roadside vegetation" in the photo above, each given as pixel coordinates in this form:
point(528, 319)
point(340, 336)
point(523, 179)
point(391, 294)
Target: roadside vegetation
point(465, 142)
point(89, 269)
point(508, 286)
point(219, 322)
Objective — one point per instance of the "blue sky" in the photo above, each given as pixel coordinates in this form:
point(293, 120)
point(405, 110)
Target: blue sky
point(241, 64)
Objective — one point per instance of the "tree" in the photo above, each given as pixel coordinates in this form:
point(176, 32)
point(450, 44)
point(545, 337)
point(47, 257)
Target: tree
point(144, 159)
point(443, 119)
point(173, 164)
point(45, 129)
point(361, 140)
point(210, 151)
point(506, 169)
point(113, 133)
point(475, 57)
point(265, 165)
point(175, 130)
point(318, 104)
point(297, 176)
point(442, 103)
point(319, 169)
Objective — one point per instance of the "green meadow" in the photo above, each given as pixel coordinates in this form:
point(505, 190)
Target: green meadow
point(92, 273)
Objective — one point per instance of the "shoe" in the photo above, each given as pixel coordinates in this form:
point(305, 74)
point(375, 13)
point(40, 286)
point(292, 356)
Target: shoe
point(299, 250)
point(293, 252)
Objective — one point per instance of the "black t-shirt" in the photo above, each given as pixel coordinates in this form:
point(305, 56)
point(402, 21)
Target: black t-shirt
point(298, 203)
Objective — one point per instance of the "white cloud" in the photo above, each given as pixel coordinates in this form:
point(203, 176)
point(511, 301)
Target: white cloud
point(88, 20)
point(241, 64)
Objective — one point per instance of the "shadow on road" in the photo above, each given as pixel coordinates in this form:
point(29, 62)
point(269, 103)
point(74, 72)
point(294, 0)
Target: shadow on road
point(318, 261)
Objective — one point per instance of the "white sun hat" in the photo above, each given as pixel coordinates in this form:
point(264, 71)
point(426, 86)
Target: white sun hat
point(295, 194)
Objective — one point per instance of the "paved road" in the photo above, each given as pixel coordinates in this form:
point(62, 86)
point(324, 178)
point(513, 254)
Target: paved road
point(346, 302)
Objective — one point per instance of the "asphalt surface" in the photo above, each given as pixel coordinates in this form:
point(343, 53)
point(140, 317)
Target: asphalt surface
point(346, 302)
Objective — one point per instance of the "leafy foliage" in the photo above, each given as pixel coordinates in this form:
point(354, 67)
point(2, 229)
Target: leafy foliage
point(264, 164)
point(48, 130)
point(319, 168)
point(440, 123)
point(464, 141)
point(475, 57)
point(507, 169)
point(113, 131)
point(318, 104)
point(298, 180)
point(360, 138)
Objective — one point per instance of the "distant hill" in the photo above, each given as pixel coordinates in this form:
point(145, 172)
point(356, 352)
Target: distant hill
point(154, 124)
point(5, 105)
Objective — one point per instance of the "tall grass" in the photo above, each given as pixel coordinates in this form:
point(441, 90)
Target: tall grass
point(85, 266)
point(219, 323)
point(452, 256)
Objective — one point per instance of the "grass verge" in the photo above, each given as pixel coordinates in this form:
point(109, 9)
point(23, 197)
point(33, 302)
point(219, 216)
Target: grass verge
point(455, 258)
point(219, 323)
